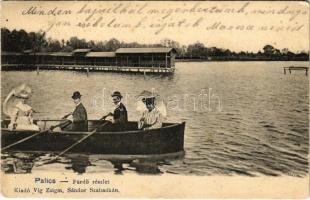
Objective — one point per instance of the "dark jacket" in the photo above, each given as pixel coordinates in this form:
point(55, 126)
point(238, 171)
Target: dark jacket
point(79, 119)
point(120, 115)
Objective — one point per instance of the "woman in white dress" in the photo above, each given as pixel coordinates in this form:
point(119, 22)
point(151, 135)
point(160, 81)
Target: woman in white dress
point(19, 112)
point(152, 117)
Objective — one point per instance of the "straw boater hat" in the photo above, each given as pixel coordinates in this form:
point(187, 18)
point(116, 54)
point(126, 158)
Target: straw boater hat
point(147, 96)
point(151, 97)
point(22, 91)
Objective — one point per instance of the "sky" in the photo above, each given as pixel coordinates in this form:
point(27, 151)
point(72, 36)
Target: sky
point(238, 26)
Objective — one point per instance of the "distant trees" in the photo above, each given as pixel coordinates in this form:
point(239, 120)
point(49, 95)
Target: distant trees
point(197, 50)
point(268, 49)
point(52, 45)
point(20, 40)
point(112, 45)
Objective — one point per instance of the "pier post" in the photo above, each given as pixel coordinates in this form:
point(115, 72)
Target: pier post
point(87, 69)
point(152, 61)
point(38, 70)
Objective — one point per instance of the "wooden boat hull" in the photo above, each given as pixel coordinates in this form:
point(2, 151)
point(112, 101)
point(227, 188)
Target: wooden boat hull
point(166, 140)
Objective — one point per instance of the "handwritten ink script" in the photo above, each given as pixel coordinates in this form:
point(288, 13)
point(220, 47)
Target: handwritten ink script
point(135, 16)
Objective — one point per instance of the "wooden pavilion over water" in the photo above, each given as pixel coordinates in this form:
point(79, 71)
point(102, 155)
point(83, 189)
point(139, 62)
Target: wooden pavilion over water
point(146, 57)
point(152, 60)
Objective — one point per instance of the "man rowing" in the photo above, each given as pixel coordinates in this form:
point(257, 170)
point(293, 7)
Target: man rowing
point(120, 117)
point(77, 120)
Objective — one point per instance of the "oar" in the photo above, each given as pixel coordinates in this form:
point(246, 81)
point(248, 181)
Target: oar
point(104, 117)
point(63, 125)
point(23, 140)
point(27, 138)
point(73, 145)
point(67, 115)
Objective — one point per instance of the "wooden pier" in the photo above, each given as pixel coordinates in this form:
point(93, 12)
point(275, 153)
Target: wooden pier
point(88, 69)
point(295, 68)
point(157, 60)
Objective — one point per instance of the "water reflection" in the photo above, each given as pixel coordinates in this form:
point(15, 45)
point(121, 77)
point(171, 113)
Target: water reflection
point(19, 163)
point(79, 164)
point(262, 130)
point(139, 166)
point(146, 167)
point(118, 166)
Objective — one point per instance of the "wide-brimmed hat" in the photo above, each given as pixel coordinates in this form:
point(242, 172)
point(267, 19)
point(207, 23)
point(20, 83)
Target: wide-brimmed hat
point(150, 100)
point(117, 94)
point(76, 95)
point(22, 91)
point(147, 95)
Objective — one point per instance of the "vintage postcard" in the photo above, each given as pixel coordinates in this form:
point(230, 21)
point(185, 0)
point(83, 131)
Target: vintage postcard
point(155, 99)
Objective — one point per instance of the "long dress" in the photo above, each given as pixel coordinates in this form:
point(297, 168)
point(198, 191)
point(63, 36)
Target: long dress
point(19, 113)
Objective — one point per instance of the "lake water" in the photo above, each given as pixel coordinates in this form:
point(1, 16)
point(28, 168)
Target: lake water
point(242, 118)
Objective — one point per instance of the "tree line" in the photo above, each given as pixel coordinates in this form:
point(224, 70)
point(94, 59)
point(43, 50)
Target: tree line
point(20, 40)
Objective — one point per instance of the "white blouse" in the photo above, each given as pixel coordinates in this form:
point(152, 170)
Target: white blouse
point(150, 120)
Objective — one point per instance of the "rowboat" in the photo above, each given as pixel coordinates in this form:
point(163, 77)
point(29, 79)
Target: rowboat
point(108, 141)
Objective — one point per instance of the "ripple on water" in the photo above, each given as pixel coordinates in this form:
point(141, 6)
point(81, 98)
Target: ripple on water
point(262, 128)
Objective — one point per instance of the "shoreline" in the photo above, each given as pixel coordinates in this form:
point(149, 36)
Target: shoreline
point(203, 60)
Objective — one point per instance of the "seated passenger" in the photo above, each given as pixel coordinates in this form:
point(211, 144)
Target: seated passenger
point(19, 112)
point(151, 118)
